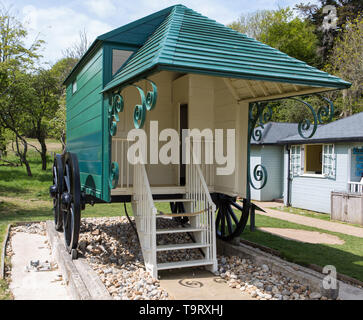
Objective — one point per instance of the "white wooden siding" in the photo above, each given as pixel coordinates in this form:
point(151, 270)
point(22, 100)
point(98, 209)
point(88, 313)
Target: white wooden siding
point(313, 193)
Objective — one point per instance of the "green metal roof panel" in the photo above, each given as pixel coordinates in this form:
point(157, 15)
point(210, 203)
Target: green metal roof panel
point(187, 41)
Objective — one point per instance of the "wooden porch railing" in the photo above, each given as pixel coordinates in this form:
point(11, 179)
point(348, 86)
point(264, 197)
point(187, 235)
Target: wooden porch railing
point(355, 187)
point(145, 217)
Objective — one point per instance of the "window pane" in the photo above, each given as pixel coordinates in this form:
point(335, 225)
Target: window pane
point(119, 57)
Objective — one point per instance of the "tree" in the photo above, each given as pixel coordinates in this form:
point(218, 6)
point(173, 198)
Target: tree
point(346, 61)
point(14, 117)
point(60, 70)
point(328, 18)
point(253, 24)
point(78, 48)
point(45, 105)
point(15, 91)
point(281, 30)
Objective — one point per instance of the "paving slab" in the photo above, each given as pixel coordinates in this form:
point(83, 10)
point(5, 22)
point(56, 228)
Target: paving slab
point(32, 285)
point(195, 284)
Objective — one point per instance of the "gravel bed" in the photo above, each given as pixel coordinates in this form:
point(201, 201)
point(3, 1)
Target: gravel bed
point(261, 283)
point(113, 251)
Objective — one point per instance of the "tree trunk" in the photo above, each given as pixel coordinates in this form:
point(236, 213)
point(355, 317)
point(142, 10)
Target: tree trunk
point(22, 155)
point(43, 153)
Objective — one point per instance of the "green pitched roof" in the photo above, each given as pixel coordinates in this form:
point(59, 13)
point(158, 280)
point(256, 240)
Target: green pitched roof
point(186, 41)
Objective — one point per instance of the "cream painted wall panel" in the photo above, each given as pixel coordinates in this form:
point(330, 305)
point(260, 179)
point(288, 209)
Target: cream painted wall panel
point(163, 113)
point(201, 102)
point(229, 114)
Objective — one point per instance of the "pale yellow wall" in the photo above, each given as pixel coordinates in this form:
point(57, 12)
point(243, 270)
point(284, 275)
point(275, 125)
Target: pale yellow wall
point(210, 105)
point(228, 115)
point(163, 112)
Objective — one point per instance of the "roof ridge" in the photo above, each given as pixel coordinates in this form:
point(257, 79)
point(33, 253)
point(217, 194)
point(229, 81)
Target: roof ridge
point(173, 17)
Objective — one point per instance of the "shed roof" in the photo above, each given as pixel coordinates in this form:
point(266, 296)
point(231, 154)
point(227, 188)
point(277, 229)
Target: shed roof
point(346, 129)
point(186, 41)
point(274, 132)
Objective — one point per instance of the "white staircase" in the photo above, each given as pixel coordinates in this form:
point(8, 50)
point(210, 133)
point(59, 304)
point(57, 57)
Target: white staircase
point(200, 210)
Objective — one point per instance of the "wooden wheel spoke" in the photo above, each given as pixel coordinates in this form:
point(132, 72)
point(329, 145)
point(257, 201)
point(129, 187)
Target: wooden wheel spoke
point(232, 214)
point(237, 206)
point(67, 179)
point(229, 221)
point(223, 224)
point(218, 220)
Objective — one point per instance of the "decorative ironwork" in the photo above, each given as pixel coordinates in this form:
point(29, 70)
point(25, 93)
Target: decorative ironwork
point(148, 102)
point(259, 174)
point(114, 108)
point(262, 117)
point(114, 175)
point(323, 111)
point(259, 115)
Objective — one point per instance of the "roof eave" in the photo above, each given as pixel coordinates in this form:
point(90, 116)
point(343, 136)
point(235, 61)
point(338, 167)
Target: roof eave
point(314, 141)
point(172, 67)
point(94, 46)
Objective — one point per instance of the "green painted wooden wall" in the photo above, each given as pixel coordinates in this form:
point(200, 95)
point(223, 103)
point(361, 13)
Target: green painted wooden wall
point(84, 124)
point(87, 119)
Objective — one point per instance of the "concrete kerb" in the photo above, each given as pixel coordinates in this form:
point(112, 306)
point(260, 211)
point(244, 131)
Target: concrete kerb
point(3, 253)
point(82, 281)
point(304, 275)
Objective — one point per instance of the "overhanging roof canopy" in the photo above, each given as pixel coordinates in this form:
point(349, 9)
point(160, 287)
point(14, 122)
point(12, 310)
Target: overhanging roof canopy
point(186, 41)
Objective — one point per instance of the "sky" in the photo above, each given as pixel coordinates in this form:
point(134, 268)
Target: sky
point(58, 23)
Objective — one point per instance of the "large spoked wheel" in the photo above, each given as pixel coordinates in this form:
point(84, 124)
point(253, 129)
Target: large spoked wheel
point(58, 188)
point(230, 224)
point(71, 201)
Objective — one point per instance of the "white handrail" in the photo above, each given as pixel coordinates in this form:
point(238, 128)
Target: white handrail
point(198, 192)
point(355, 187)
point(145, 217)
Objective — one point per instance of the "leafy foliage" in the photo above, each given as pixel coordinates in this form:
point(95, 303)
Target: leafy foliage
point(281, 30)
point(346, 61)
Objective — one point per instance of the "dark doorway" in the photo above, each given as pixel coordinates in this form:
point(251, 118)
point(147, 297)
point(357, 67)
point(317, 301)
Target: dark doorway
point(183, 124)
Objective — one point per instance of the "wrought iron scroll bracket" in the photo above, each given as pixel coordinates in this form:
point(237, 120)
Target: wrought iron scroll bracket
point(116, 106)
point(258, 114)
point(261, 117)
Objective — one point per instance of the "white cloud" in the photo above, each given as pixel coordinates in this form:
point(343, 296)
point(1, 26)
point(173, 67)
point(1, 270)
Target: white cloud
point(59, 27)
point(102, 8)
point(59, 24)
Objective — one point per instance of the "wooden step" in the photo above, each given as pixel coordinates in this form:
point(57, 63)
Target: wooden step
point(181, 246)
point(184, 264)
point(173, 200)
point(178, 230)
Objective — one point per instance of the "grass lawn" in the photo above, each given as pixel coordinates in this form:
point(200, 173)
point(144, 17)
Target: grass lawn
point(347, 258)
point(311, 214)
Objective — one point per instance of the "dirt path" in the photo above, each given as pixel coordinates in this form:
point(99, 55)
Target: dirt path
point(307, 221)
